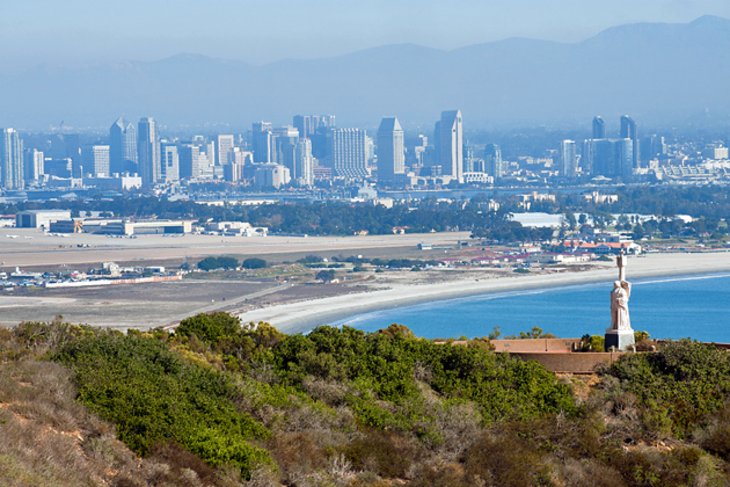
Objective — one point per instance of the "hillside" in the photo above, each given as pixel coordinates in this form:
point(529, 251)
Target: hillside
point(661, 73)
point(220, 404)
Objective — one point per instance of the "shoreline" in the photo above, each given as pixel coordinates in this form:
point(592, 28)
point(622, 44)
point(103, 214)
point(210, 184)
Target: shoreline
point(302, 316)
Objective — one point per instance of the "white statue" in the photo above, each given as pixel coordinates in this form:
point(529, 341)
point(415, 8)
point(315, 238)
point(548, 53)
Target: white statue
point(620, 336)
point(620, 306)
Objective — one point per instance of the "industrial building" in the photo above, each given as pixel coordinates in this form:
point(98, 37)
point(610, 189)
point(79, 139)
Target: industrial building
point(40, 218)
point(122, 227)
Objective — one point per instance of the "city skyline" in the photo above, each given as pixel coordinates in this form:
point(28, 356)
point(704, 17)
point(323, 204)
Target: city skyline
point(313, 150)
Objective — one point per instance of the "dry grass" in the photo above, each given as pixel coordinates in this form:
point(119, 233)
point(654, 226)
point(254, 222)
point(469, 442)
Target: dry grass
point(49, 440)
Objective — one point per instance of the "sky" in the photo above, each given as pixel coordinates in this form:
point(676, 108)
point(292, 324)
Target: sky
point(34, 32)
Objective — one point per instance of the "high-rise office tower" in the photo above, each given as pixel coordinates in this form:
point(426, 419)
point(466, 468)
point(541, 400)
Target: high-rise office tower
point(568, 159)
point(262, 142)
point(629, 131)
point(189, 161)
point(347, 153)
point(305, 124)
point(303, 172)
point(33, 165)
point(655, 146)
point(122, 147)
point(95, 159)
point(11, 159)
point(170, 162)
point(148, 151)
point(599, 128)
point(611, 158)
point(391, 150)
point(207, 167)
point(285, 141)
point(493, 161)
point(450, 139)
point(225, 148)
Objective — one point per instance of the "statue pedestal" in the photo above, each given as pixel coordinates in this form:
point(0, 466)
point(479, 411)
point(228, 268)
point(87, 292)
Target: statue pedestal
point(622, 340)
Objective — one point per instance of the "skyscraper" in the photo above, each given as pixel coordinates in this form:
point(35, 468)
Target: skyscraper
point(262, 142)
point(122, 147)
point(170, 162)
point(303, 172)
point(11, 159)
point(629, 131)
point(391, 150)
point(493, 161)
point(148, 151)
point(285, 142)
point(450, 139)
point(189, 161)
point(609, 157)
point(568, 159)
point(347, 153)
point(33, 165)
point(599, 128)
point(95, 160)
point(225, 148)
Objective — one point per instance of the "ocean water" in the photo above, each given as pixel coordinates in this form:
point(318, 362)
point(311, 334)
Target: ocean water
point(674, 307)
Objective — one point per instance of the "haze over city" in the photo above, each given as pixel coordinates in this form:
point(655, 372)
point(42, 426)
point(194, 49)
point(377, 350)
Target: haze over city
point(230, 63)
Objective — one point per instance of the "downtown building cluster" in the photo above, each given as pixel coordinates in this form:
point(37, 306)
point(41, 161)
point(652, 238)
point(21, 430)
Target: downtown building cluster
point(313, 151)
point(618, 158)
point(312, 148)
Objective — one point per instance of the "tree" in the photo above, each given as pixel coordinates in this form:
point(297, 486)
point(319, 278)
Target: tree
point(254, 263)
point(325, 275)
point(213, 263)
point(209, 327)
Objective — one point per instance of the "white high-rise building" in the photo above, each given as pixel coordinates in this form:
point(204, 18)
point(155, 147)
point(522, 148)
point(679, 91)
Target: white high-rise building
point(450, 139)
point(391, 150)
point(568, 158)
point(347, 153)
point(226, 142)
point(34, 165)
point(303, 172)
point(170, 163)
point(148, 151)
point(11, 159)
point(96, 160)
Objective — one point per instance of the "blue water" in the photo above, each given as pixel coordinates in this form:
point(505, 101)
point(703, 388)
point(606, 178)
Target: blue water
point(673, 307)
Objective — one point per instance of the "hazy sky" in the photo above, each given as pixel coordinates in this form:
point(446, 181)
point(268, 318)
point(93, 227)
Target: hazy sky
point(260, 31)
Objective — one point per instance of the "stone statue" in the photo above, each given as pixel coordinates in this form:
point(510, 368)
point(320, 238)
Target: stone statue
point(620, 305)
point(620, 298)
point(620, 335)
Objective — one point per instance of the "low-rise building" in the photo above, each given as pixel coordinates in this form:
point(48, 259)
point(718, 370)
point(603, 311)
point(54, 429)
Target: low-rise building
point(40, 218)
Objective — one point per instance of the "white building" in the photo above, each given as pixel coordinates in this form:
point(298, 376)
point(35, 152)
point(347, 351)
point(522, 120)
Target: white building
point(274, 176)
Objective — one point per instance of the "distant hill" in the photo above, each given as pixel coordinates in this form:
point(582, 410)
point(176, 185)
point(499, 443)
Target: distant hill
point(660, 73)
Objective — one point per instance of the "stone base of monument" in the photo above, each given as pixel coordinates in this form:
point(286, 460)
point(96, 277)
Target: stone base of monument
point(621, 340)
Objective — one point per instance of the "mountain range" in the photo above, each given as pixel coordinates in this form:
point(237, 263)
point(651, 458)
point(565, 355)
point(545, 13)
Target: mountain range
point(662, 74)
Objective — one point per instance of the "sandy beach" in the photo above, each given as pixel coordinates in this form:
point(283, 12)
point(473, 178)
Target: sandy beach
point(302, 316)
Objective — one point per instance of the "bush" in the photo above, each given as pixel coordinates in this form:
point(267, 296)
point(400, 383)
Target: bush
point(326, 275)
point(311, 259)
point(255, 263)
point(154, 397)
point(677, 388)
point(213, 263)
point(210, 328)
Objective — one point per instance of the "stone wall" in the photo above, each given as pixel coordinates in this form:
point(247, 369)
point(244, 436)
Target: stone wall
point(575, 363)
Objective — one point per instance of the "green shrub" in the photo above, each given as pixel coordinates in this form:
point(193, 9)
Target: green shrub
point(211, 328)
point(255, 263)
point(677, 387)
point(214, 263)
point(155, 397)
